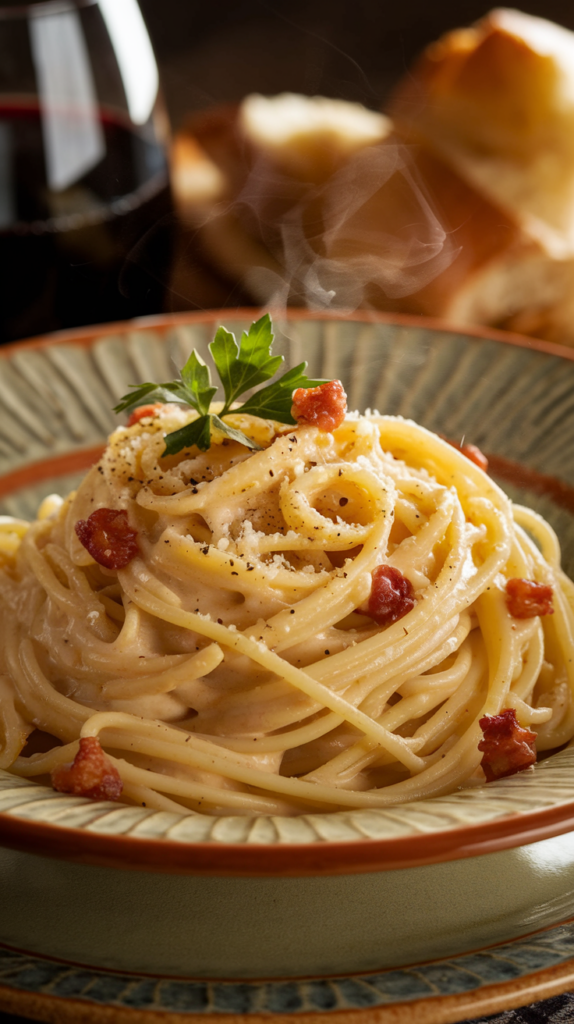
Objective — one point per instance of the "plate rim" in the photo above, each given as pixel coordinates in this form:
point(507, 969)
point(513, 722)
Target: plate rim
point(163, 321)
point(535, 983)
point(282, 859)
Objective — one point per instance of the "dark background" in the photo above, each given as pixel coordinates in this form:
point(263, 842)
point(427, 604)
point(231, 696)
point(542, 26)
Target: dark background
point(212, 52)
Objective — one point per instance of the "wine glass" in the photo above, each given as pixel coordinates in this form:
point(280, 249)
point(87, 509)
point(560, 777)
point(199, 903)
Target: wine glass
point(84, 190)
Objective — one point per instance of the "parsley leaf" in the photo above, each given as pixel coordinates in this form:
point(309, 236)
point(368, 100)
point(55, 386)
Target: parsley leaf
point(274, 402)
point(198, 432)
point(240, 368)
point(195, 375)
point(141, 394)
point(244, 366)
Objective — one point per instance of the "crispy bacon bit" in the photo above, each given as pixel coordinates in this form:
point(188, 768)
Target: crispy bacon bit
point(526, 598)
point(391, 597)
point(108, 537)
point(507, 747)
point(323, 407)
point(91, 774)
point(472, 452)
point(143, 410)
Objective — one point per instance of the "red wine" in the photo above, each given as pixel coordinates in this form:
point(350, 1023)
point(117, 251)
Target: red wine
point(96, 251)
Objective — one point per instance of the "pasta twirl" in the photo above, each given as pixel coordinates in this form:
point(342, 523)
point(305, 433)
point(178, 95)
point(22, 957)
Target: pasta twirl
point(235, 665)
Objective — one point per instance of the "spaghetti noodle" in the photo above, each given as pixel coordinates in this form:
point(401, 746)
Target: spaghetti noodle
point(236, 663)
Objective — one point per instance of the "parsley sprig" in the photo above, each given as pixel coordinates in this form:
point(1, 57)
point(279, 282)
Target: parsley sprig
point(240, 368)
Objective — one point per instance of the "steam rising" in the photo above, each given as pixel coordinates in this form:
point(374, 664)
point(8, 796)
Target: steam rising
point(366, 236)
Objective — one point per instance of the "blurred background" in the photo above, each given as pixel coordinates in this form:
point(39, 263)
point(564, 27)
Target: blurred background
point(214, 55)
point(109, 209)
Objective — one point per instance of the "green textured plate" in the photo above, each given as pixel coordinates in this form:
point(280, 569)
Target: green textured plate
point(408, 881)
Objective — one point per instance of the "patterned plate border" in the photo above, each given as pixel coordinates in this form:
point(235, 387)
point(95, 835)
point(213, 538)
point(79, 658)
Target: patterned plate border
point(513, 965)
point(522, 809)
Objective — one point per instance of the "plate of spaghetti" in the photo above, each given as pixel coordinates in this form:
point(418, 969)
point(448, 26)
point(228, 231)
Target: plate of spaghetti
point(314, 617)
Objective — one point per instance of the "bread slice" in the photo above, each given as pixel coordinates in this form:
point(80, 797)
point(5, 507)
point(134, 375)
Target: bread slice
point(479, 266)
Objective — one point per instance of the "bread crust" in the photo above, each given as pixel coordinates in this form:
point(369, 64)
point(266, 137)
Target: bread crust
point(496, 102)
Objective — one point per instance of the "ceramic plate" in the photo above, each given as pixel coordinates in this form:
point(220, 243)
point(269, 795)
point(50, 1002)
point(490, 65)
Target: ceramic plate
point(511, 396)
point(316, 895)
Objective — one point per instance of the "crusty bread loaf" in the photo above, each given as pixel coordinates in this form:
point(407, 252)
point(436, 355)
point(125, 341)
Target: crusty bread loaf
point(308, 138)
point(496, 101)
